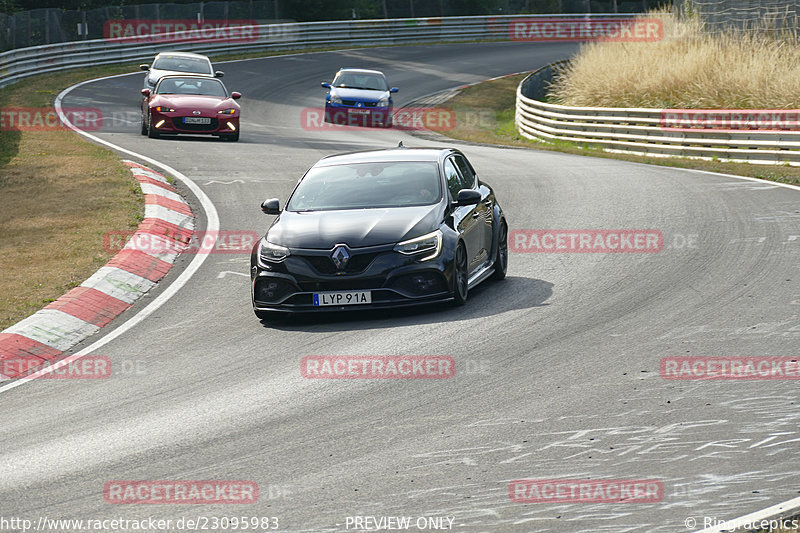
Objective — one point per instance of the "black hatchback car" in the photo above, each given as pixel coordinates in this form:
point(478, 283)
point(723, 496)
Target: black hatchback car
point(383, 228)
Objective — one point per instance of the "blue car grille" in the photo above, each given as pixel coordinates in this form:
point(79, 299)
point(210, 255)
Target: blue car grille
point(352, 103)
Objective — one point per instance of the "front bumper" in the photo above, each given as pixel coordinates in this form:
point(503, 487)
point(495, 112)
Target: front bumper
point(355, 115)
point(394, 280)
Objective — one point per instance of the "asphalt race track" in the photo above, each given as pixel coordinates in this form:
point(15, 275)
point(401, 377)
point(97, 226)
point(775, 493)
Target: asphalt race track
point(557, 367)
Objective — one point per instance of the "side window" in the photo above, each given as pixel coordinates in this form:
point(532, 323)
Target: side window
point(454, 183)
point(466, 171)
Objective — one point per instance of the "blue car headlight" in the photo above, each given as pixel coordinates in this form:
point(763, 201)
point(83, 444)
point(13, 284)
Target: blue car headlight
point(335, 100)
point(383, 102)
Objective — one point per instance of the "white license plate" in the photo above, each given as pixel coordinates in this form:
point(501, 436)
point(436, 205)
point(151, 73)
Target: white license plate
point(196, 120)
point(322, 299)
point(353, 111)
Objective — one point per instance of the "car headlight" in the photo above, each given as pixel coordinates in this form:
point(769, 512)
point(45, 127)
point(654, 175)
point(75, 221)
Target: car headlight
point(336, 100)
point(271, 252)
point(230, 111)
point(163, 109)
point(383, 102)
point(430, 244)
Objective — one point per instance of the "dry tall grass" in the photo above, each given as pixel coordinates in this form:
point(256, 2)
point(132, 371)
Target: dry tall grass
point(686, 69)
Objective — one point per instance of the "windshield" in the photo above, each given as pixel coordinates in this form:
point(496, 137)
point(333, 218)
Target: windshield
point(183, 64)
point(206, 87)
point(367, 185)
point(350, 80)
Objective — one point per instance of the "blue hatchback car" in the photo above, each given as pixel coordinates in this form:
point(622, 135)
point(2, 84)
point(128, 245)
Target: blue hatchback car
point(359, 97)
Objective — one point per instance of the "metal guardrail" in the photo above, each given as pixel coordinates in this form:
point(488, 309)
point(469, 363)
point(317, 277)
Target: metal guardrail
point(538, 83)
point(24, 62)
point(645, 131)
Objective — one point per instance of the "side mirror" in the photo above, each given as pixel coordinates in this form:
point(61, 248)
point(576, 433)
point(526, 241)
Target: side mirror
point(145, 92)
point(236, 95)
point(144, 67)
point(326, 84)
point(393, 90)
point(468, 197)
point(218, 74)
point(271, 207)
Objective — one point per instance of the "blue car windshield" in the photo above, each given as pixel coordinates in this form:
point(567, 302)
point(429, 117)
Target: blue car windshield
point(349, 80)
point(367, 186)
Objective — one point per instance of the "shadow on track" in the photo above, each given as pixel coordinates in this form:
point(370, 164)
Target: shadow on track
point(487, 299)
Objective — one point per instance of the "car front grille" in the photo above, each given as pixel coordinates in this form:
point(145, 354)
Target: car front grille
point(324, 264)
point(352, 103)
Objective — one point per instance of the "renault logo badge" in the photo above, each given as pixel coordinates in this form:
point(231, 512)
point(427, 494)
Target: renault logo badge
point(340, 256)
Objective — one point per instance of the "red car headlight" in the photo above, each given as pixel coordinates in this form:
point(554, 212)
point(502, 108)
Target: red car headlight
point(163, 109)
point(229, 111)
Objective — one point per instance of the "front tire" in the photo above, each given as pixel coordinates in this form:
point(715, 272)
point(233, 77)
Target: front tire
point(151, 131)
point(233, 137)
point(461, 274)
point(501, 258)
point(144, 126)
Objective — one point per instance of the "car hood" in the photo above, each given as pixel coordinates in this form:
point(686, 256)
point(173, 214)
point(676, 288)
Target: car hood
point(323, 230)
point(364, 95)
point(194, 101)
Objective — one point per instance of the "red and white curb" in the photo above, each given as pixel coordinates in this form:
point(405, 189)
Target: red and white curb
point(111, 290)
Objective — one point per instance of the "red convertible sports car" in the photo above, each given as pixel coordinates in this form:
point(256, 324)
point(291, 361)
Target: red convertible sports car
point(190, 104)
